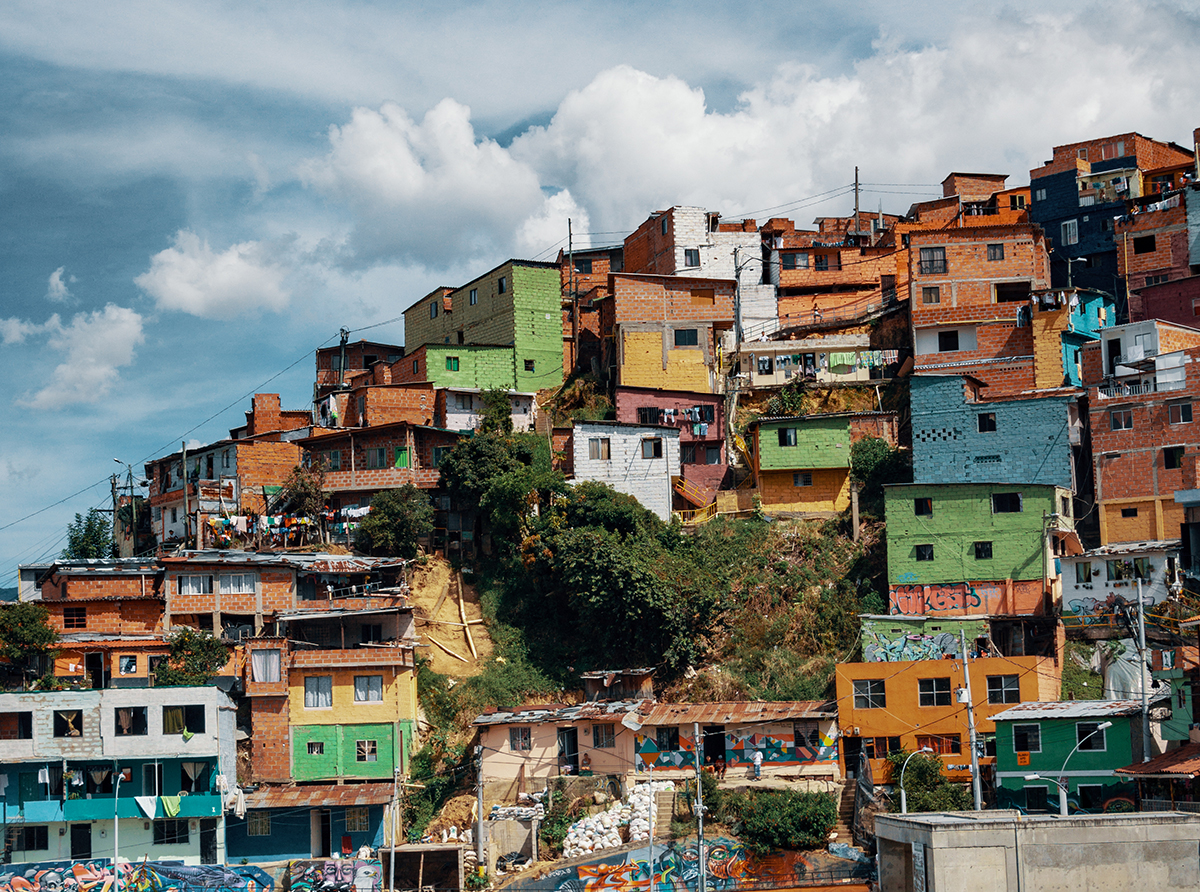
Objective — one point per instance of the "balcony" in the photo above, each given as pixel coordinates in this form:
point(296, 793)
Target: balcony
point(1118, 390)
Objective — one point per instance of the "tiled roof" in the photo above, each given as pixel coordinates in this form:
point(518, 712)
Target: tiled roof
point(1184, 762)
point(320, 795)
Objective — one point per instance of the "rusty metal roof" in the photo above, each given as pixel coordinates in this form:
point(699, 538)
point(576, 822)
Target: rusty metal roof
point(1069, 709)
point(302, 561)
point(1182, 762)
point(739, 712)
point(557, 712)
point(1133, 547)
point(320, 795)
point(605, 673)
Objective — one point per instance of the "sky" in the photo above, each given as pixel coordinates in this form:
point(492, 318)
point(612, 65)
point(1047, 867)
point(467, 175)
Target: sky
point(195, 196)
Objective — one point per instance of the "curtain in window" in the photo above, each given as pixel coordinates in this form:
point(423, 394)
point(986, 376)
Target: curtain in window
point(99, 775)
point(368, 687)
point(318, 692)
point(172, 719)
point(264, 665)
point(124, 720)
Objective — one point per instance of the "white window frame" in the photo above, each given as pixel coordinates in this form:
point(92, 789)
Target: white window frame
point(1089, 746)
point(1069, 232)
point(194, 584)
point(520, 740)
point(374, 685)
point(316, 691)
point(236, 583)
point(599, 449)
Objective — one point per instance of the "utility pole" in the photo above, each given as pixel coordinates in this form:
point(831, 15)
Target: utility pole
point(574, 296)
point(395, 814)
point(113, 531)
point(345, 333)
point(1142, 674)
point(699, 750)
point(185, 495)
point(480, 865)
point(856, 204)
point(976, 786)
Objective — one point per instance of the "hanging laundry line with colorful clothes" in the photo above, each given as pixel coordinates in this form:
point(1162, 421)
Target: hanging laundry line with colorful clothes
point(279, 529)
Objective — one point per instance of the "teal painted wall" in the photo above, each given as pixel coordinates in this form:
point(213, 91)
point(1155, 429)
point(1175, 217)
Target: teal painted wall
point(820, 443)
point(340, 751)
point(962, 515)
point(538, 331)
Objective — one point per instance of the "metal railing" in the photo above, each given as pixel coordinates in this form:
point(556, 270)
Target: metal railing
point(1111, 391)
point(1168, 805)
point(698, 516)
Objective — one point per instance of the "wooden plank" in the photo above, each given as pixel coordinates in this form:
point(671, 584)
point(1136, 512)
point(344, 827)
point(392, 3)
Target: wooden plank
point(446, 649)
point(462, 614)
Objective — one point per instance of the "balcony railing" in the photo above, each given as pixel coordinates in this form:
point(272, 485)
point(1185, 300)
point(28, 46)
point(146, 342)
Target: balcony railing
point(1111, 391)
point(1168, 805)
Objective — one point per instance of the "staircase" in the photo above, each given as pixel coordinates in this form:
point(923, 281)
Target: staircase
point(697, 495)
point(845, 820)
point(664, 811)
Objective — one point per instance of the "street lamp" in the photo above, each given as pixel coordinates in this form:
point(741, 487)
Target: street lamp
point(1061, 783)
point(903, 795)
point(116, 829)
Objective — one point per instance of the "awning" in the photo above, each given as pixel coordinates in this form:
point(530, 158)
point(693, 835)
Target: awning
point(320, 795)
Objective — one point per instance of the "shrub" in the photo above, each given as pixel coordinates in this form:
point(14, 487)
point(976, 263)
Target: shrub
point(785, 819)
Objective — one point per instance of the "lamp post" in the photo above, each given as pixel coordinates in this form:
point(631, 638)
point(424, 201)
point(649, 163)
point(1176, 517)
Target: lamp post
point(1061, 783)
point(116, 829)
point(904, 795)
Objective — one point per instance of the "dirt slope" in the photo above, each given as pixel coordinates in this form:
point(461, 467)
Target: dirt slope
point(435, 600)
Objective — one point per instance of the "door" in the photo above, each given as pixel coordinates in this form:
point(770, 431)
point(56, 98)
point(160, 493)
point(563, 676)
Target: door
point(320, 827)
point(851, 748)
point(568, 750)
point(714, 744)
point(93, 668)
point(81, 842)
point(208, 841)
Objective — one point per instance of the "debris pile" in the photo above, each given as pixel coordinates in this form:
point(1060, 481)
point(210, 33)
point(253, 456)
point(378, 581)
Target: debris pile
point(604, 831)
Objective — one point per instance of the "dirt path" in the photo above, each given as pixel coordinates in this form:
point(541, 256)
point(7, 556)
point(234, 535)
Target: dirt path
point(435, 601)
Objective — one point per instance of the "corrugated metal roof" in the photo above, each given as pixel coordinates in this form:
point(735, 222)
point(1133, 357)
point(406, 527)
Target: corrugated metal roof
point(557, 712)
point(1069, 709)
point(1133, 547)
point(314, 562)
point(320, 795)
point(735, 712)
point(1184, 762)
point(604, 673)
point(819, 417)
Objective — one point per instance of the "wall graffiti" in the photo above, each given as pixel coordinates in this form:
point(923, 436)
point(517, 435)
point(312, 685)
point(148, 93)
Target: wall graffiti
point(332, 875)
point(676, 867)
point(878, 647)
point(920, 599)
point(779, 748)
point(150, 876)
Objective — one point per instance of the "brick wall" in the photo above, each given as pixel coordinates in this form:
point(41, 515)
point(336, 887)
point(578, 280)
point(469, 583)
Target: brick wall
point(1138, 263)
point(648, 358)
point(357, 477)
point(412, 402)
point(1177, 301)
point(123, 617)
point(263, 464)
point(829, 492)
point(639, 298)
point(270, 739)
point(706, 476)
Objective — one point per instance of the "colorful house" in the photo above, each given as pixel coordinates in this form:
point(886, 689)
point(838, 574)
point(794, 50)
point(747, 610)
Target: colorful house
point(1063, 742)
point(641, 460)
point(900, 638)
point(1098, 583)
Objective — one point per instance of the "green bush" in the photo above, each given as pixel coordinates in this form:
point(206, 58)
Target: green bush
point(926, 787)
point(784, 819)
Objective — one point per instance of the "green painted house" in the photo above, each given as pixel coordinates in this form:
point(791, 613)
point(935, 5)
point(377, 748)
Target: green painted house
point(336, 751)
point(1063, 742)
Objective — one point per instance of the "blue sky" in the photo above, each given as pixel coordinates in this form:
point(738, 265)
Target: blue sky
point(196, 195)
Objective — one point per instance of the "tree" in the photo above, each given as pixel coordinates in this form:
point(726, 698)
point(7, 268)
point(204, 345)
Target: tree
point(926, 787)
point(784, 819)
point(873, 463)
point(25, 633)
point(497, 412)
point(196, 656)
point(399, 518)
point(89, 538)
point(304, 490)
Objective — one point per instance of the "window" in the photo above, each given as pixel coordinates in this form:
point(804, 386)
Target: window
point(691, 257)
point(195, 585)
point(649, 415)
point(1180, 413)
point(1027, 738)
point(687, 337)
point(1037, 799)
point(1070, 232)
point(433, 310)
point(368, 688)
point(880, 747)
point(802, 478)
point(687, 453)
point(1156, 280)
point(31, 839)
point(983, 551)
point(1039, 194)
point(821, 261)
point(995, 252)
point(1173, 457)
point(68, 723)
point(463, 401)
point(1003, 689)
point(947, 341)
point(987, 422)
point(316, 747)
point(667, 739)
point(370, 633)
point(332, 460)
point(1016, 202)
point(519, 740)
point(318, 692)
point(931, 294)
point(794, 260)
point(130, 721)
point(171, 833)
point(75, 617)
point(1083, 572)
point(933, 261)
point(127, 664)
point(652, 447)
point(1006, 503)
point(258, 822)
point(712, 455)
point(439, 452)
point(869, 693)
point(152, 779)
point(362, 408)
point(941, 744)
point(933, 691)
point(923, 552)
point(502, 284)
point(787, 436)
point(1121, 419)
point(474, 297)
point(923, 507)
point(1144, 244)
point(414, 366)
point(664, 226)
point(377, 457)
point(598, 448)
point(180, 719)
point(366, 751)
point(1090, 737)
point(237, 583)
point(583, 267)
point(1091, 797)
point(604, 737)
point(357, 819)
point(452, 363)
point(174, 515)
point(1082, 154)
point(529, 365)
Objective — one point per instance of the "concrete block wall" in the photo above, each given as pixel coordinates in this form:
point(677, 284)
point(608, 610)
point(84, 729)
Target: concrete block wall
point(125, 617)
point(642, 351)
point(263, 464)
point(821, 442)
point(413, 403)
point(828, 494)
point(662, 299)
point(537, 327)
point(646, 479)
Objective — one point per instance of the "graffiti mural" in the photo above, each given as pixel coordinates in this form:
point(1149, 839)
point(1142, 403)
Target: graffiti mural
point(149, 876)
point(676, 868)
point(333, 875)
point(886, 640)
point(920, 599)
point(1117, 798)
point(778, 744)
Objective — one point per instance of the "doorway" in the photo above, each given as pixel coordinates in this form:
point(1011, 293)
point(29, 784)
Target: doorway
point(714, 744)
point(568, 750)
point(208, 841)
point(321, 832)
point(81, 842)
point(95, 670)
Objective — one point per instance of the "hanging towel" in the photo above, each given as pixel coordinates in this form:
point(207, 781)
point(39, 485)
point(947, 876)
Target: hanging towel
point(147, 804)
point(239, 806)
point(170, 805)
point(44, 776)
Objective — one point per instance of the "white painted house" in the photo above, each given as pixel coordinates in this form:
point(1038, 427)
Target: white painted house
point(464, 407)
point(1097, 582)
point(638, 459)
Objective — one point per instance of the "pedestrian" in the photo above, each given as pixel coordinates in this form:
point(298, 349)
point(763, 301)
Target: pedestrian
point(757, 759)
point(721, 768)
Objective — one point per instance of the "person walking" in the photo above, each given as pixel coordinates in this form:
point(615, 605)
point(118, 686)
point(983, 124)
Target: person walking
point(757, 760)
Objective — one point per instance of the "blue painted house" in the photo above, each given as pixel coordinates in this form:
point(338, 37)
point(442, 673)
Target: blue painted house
point(304, 821)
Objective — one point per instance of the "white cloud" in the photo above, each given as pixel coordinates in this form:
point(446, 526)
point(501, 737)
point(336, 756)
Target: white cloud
point(15, 331)
point(92, 346)
point(56, 288)
point(192, 278)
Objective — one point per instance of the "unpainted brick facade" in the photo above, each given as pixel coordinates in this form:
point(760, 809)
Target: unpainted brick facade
point(387, 457)
point(360, 356)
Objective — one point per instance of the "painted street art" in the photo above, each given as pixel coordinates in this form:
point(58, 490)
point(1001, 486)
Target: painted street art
point(964, 598)
point(935, 638)
point(1117, 799)
point(779, 748)
point(676, 867)
point(919, 599)
point(332, 875)
point(151, 876)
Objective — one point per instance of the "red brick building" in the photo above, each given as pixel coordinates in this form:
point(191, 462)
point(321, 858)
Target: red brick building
point(1153, 245)
point(584, 276)
point(358, 357)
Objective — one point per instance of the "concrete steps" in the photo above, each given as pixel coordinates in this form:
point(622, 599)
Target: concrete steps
point(845, 821)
